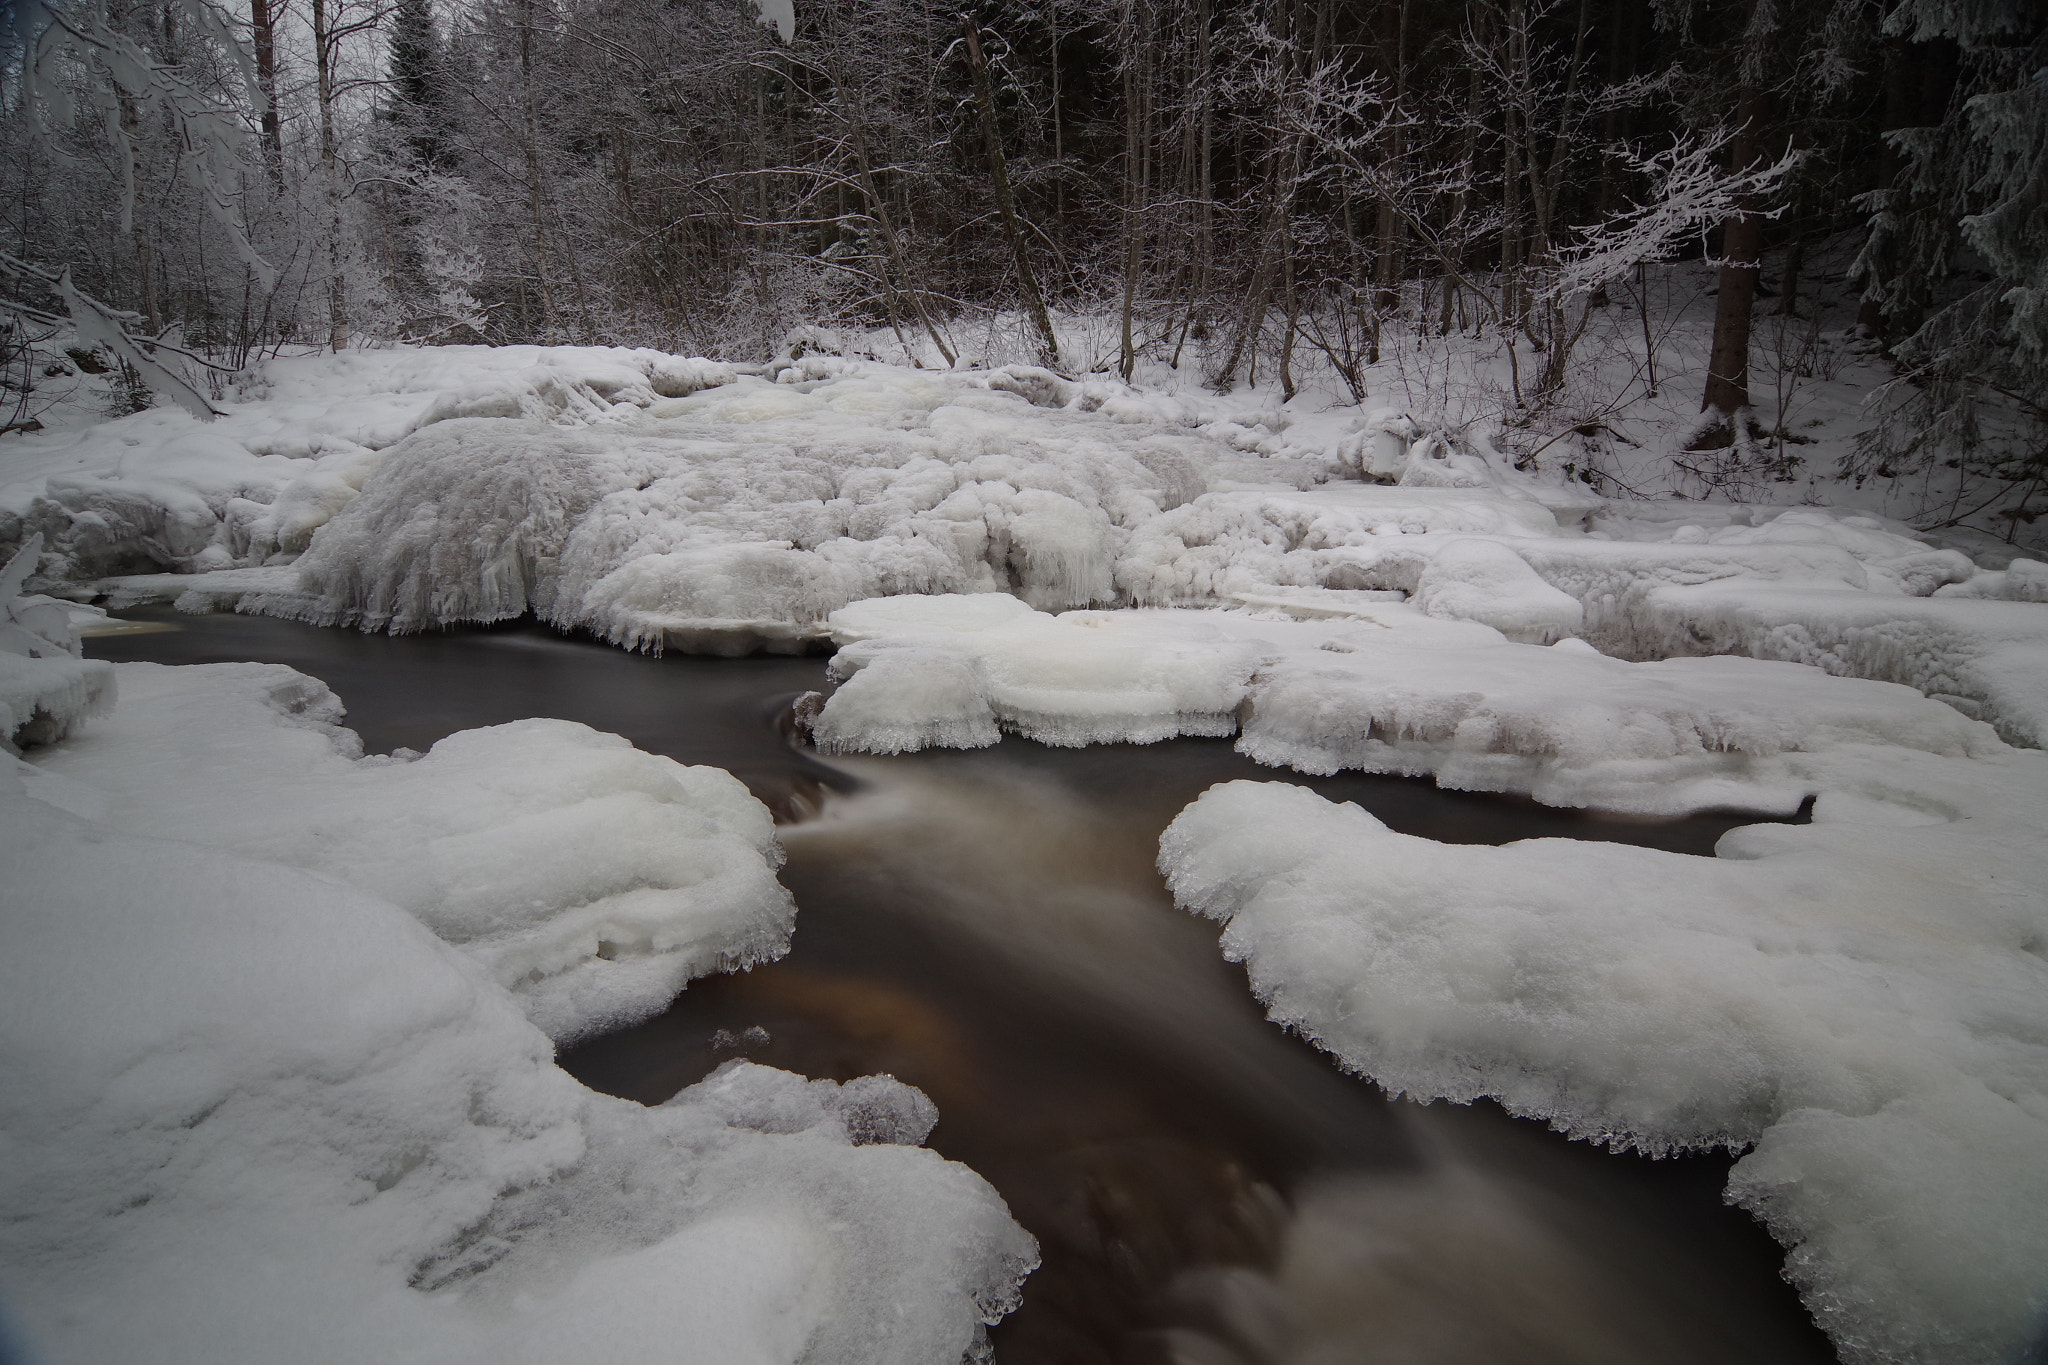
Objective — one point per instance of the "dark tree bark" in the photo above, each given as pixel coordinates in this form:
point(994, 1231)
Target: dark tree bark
point(263, 35)
point(1742, 237)
point(999, 176)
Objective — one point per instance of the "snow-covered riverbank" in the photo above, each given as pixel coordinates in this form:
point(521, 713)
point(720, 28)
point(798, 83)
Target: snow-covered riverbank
point(278, 1086)
point(1084, 562)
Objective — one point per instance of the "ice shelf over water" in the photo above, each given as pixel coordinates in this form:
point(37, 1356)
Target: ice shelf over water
point(588, 878)
point(1862, 1002)
point(258, 1111)
point(1381, 687)
point(46, 688)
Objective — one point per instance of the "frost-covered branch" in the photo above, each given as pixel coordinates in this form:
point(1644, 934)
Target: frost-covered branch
point(1689, 189)
point(99, 325)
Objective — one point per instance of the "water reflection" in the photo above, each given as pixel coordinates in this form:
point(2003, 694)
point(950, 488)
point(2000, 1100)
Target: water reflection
point(989, 927)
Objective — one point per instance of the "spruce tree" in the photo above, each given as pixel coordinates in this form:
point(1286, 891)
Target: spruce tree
point(1956, 260)
point(417, 84)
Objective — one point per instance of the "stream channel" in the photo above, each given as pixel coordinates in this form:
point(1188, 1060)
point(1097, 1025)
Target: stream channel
point(988, 926)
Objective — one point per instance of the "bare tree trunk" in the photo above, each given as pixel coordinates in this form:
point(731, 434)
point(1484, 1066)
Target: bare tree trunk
point(530, 136)
point(1727, 391)
point(1134, 171)
point(330, 175)
point(1387, 264)
point(999, 175)
point(263, 34)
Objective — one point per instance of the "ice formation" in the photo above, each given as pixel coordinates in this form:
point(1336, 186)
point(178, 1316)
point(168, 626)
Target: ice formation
point(46, 689)
point(1367, 684)
point(1861, 1001)
point(258, 1112)
point(158, 490)
point(668, 502)
point(590, 879)
point(741, 516)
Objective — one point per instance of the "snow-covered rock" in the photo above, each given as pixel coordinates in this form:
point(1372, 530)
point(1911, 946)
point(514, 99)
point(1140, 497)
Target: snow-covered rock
point(46, 688)
point(1862, 1001)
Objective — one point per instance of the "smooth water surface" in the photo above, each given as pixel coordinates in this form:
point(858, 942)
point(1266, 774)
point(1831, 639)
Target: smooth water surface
point(989, 927)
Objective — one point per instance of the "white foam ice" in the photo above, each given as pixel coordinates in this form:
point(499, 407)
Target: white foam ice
point(741, 516)
point(1862, 1002)
point(256, 1111)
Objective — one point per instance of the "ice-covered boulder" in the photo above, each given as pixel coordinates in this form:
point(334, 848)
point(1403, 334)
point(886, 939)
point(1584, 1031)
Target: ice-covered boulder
point(46, 688)
point(1485, 581)
point(1861, 1001)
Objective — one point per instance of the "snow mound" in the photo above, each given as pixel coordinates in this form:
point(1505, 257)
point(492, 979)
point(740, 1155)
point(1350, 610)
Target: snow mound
point(742, 516)
point(1987, 658)
point(950, 671)
point(46, 689)
point(1863, 999)
point(161, 491)
point(1370, 684)
point(257, 1114)
point(588, 878)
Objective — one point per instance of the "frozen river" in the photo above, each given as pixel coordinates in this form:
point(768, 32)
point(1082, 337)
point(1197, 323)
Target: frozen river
point(989, 927)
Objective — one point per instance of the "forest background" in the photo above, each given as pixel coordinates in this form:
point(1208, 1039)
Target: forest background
point(1240, 192)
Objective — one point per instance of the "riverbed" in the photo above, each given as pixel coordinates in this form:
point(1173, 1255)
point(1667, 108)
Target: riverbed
point(989, 927)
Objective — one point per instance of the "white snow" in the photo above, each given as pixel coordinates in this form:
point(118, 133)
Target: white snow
point(1383, 687)
point(590, 879)
point(668, 502)
point(1864, 999)
point(1079, 561)
point(256, 1111)
point(46, 689)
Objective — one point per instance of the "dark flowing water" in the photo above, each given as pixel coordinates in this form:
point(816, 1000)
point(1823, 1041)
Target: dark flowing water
point(989, 927)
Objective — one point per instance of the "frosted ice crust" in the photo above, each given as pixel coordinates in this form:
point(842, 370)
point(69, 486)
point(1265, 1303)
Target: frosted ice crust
point(668, 502)
point(276, 1085)
point(1861, 1003)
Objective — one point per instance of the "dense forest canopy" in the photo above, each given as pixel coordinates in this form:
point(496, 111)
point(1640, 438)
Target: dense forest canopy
point(1243, 189)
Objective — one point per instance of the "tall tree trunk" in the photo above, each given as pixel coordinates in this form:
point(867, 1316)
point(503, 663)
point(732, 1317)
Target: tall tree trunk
point(1134, 174)
point(1387, 264)
point(324, 54)
point(530, 136)
point(1727, 391)
point(1026, 282)
point(263, 36)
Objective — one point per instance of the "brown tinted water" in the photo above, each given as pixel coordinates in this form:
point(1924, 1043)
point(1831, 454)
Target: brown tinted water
point(989, 927)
